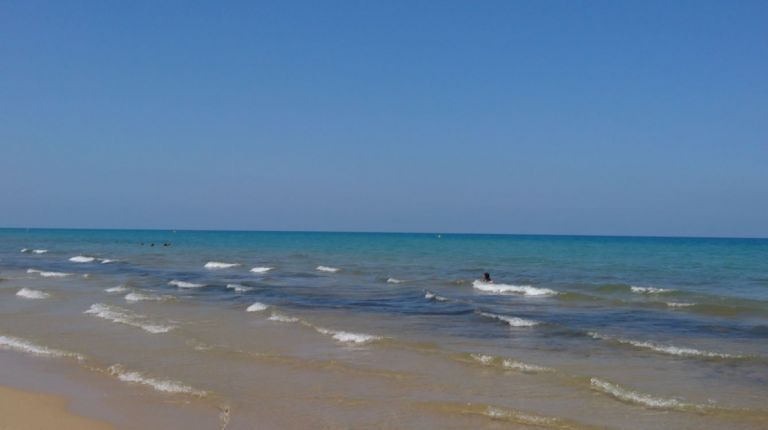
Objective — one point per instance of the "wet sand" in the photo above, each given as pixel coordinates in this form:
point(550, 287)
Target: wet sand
point(21, 410)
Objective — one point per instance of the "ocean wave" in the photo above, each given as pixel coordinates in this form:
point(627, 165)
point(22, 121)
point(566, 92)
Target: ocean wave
point(525, 290)
point(256, 307)
point(81, 259)
point(145, 297)
point(327, 269)
point(511, 416)
point(283, 318)
point(162, 385)
point(665, 349)
point(394, 281)
point(679, 304)
point(185, 284)
point(124, 316)
point(260, 269)
point(239, 288)
point(45, 274)
point(507, 363)
point(213, 265)
point(107, 261)
point(348, 337)
point(512, 321)
point(649, 290)
point(639, 398)
point(29, 293)
point(432, 296)
point(21, 345)
point(117, 289)
point(34, 251)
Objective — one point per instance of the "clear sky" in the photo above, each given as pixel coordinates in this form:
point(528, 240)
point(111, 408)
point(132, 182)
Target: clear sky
point(563, 117)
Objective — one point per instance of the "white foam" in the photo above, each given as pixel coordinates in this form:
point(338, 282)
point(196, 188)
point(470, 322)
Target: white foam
point(283, 318)
point(124, 316)
point(213, 265)
point(649, 290)
point(512, 321)
point(49, 274)
point(533, 420)
point(143, 297)
point(679, 304)
point(185, 284)
point(327, 269)
point(39, 251)
point(506, 363)
point(29, 293)
point(162, 385)
point(239, 288)
point(394, 281)
point(107, 261)
point(260, 269)
point(525, 290)
point(630, 396)
point(432, 296)
point(24, 250)
point(21, 345)
point(117, 289)
point(256, 307)
point(665, 349)
point(81, 259)
point(348, 337)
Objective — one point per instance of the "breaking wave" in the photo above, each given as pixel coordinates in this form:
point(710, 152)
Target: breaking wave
point(432, 296)
point(394, 281)
point(649, 290)
point(162, 385)
point(643, 399)
point(145, 297)
point(81, 259)
point(327, 269)
point(256, 307)
point(525, 290)
point(49, 274)
point(260, 269)
point(679, 304)
point(185, 284)
point(283, 318)
point(213, 265)
point(512, 321)
point(29, 293)
point(507, 363)
point(117, 289)
point(348, 337)
point(665, 349)
point(239, 288)
point(124, 316)
point(21, 345)
point(34, 251)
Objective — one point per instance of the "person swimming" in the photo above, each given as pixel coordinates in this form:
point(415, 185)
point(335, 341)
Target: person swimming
point(487, 278)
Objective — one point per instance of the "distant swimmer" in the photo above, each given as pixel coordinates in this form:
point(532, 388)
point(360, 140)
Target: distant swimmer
point(487, 278)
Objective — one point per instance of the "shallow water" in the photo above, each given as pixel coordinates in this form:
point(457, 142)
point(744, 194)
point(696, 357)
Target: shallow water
point(389, 330)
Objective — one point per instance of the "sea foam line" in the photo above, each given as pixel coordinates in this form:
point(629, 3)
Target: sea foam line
point(29, 293)
point(162, 385)
point(45, 274)
point(525, 290)
point(649, 290)
point(213, 265)
point(512, 321)
point(282, 318)
point(256, 307)
point(124, 316)
point(665, 349)
point(21, 345)
point(145, 297)
point(327, 269)
point(117, 289)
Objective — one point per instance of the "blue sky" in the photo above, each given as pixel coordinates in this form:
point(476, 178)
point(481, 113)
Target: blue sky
point(563, 117)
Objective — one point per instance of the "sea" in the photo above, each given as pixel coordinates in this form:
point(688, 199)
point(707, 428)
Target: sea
point(385, 330)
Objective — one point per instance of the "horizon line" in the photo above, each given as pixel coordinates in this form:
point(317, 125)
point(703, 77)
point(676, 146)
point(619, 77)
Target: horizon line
point(637, 236)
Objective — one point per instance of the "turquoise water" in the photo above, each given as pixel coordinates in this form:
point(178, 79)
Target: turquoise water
point(689, 317)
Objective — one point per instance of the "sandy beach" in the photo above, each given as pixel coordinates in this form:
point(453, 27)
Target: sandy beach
point(25, 410)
